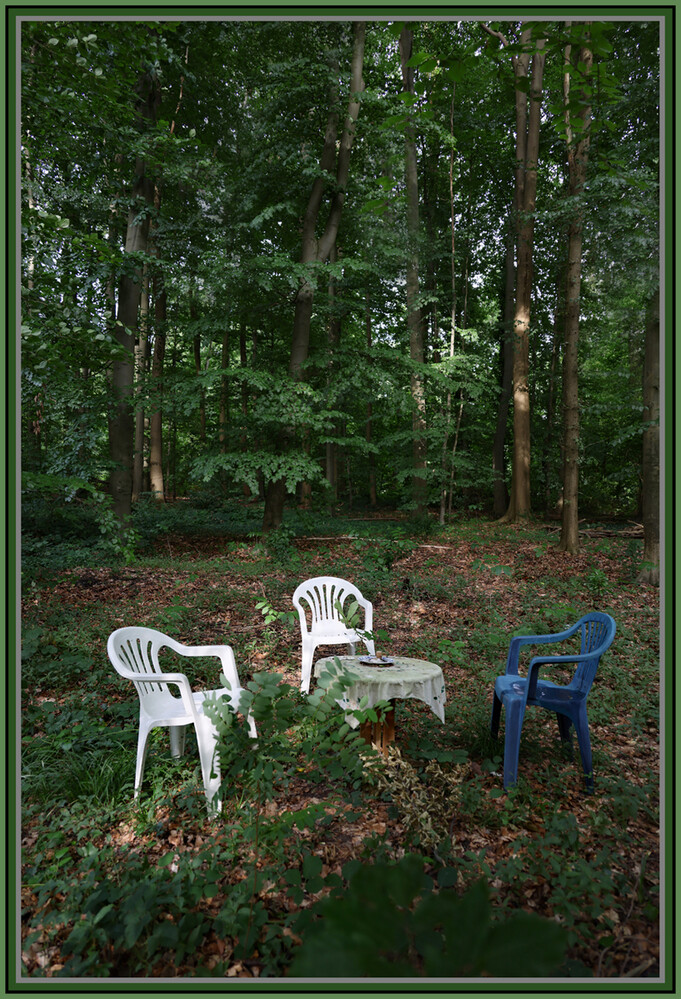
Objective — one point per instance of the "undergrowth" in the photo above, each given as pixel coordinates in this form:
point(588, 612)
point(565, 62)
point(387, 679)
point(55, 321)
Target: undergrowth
point(314, 828)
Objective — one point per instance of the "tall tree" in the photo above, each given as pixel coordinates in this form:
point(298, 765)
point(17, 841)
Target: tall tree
point(528, 155)
point(578, 135)
point(156, 479)
point(501, 496)
point(414, 318)
point(121, 416)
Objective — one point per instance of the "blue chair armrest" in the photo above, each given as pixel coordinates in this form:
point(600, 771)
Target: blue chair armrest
point(537, 661)
point(520, 640)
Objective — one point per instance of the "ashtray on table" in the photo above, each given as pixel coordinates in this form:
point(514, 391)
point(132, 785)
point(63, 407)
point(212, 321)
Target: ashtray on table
point(376, 660)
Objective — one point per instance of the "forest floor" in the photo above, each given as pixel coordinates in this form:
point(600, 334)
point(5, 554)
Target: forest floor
point(590, 863)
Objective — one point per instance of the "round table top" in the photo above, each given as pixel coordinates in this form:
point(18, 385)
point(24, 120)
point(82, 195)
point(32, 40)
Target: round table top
point(403, 670)
point(405, 678)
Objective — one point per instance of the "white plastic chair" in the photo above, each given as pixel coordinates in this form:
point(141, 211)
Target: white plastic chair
point(318, 597)
point(134, 654)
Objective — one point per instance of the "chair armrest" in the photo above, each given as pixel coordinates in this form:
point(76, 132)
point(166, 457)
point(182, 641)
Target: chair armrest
point(179, 679)
point(304, 630)
point(537, 661)
point(224, 653)
point(220, 651)
point(520, 640)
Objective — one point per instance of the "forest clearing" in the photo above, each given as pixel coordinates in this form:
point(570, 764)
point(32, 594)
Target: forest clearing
point(377, 300)
point(589, 862)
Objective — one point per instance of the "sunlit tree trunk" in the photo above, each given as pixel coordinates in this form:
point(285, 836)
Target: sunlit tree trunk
point(501, 495)
point(578, 154)
point(520, 503)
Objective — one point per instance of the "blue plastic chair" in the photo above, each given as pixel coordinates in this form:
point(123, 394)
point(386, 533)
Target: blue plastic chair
point(569, 702)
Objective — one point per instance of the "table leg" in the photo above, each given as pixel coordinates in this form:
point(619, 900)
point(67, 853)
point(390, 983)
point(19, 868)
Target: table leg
point(380, 734)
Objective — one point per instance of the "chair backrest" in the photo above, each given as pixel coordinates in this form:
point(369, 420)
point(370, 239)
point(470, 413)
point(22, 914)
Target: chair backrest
point(135, 650)
point(597, 632)
point(321, 596)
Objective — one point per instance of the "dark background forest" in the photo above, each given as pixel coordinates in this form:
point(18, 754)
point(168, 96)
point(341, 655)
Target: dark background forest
point(344, 266)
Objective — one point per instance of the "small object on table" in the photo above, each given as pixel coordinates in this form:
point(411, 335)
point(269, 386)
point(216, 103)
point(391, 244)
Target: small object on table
point(377, 660)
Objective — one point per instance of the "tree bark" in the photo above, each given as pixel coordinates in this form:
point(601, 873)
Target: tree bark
point(333, 340)
point(156, 480)
point(223, 417)
point(501, 494)
point(557, 339)
point(243, 361)
point(578, 154)
point(452, 323)
point(414, 320)
point(527, 154)
point(650, 569)
point(121, 418)
point(373, 497)
point(520, 505)
point(196, 342)
point(141, 354)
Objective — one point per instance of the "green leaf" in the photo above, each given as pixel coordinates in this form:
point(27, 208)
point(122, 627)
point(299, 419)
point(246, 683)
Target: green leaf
point(525, 946)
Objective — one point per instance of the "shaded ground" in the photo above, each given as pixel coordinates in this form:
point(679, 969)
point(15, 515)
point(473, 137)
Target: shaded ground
point(456, 603)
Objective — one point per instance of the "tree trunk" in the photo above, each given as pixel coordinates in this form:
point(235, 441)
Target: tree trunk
point(578, 153)
point(141, 353)
point(501, 495)
point(452, 324)
point(527, 151)
point(156, 480)
point(316, 250)
point(121, 419)
point(557, 338)
point(193, 316)
point(243, 361)
point(416, 352)
point(333, 340)
point(223, 418)
point(650, 568)
point(520, 505)
point(373, 497)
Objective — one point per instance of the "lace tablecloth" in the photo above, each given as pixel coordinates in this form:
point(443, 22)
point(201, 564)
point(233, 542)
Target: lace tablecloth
point(406, 678)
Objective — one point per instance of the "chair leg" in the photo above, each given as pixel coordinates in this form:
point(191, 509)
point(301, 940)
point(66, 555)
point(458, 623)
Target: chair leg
point(306, 674)
point(584, 740)
point(142, 737)
point(177, 740)
point(515, 711)
point(206, 737)
point(565, 729)
point(496, 716)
